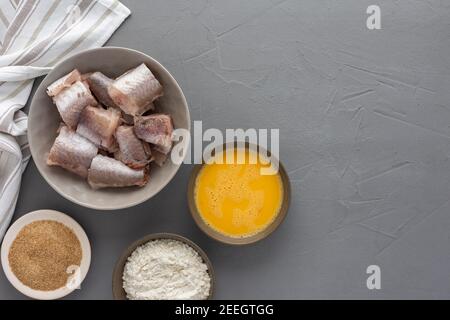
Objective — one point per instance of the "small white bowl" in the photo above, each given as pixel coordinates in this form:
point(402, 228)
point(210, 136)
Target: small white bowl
point(36, 216)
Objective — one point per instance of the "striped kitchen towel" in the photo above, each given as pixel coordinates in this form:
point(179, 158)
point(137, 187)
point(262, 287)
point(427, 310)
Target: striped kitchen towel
point(34, 36)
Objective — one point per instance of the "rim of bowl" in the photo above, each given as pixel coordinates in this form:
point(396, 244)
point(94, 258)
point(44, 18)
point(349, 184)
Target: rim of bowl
point(86, 204)
point(238, 241)
point(117, 282)
point(38, 215)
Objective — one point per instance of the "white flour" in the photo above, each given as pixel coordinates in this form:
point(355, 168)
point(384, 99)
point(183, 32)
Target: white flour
point(166, 270)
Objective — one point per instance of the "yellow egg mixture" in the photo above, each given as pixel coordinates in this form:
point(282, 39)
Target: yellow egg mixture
point(235, 199)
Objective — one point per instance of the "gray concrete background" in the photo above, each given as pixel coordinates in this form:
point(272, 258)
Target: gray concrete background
point(365, 135)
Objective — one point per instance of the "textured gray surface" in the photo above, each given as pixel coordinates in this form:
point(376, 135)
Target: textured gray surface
point(365, 135)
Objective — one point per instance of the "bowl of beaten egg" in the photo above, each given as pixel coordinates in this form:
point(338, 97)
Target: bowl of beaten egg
point(234, 196)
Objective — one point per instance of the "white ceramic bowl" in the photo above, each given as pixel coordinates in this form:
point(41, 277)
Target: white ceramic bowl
point(36, 216)
point(44, 120)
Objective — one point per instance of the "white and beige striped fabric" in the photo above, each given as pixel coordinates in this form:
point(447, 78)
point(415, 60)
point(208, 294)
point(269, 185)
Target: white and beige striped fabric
point(34, 36)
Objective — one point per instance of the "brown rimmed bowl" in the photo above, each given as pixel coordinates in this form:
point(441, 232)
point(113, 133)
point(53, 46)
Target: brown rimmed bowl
point(117, 282)
point(41, 215)
point(214, 234)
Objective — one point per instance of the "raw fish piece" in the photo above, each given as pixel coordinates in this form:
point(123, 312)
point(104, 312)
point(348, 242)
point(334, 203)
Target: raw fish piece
point(99, 125)
point(158, 157)
point(64, 82)
point(85, 76)
point(72, 152)
point(132, 151)
point(108, 172)
point(150, 109)
point(156, 129)
point(71, 101)
point(135, 90)
point(99, 83)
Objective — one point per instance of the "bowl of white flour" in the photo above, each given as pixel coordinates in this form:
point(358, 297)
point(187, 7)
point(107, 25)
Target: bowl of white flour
point(163, 266)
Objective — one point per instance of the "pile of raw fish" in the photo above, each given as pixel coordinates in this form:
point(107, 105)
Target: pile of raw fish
point(110, 133)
